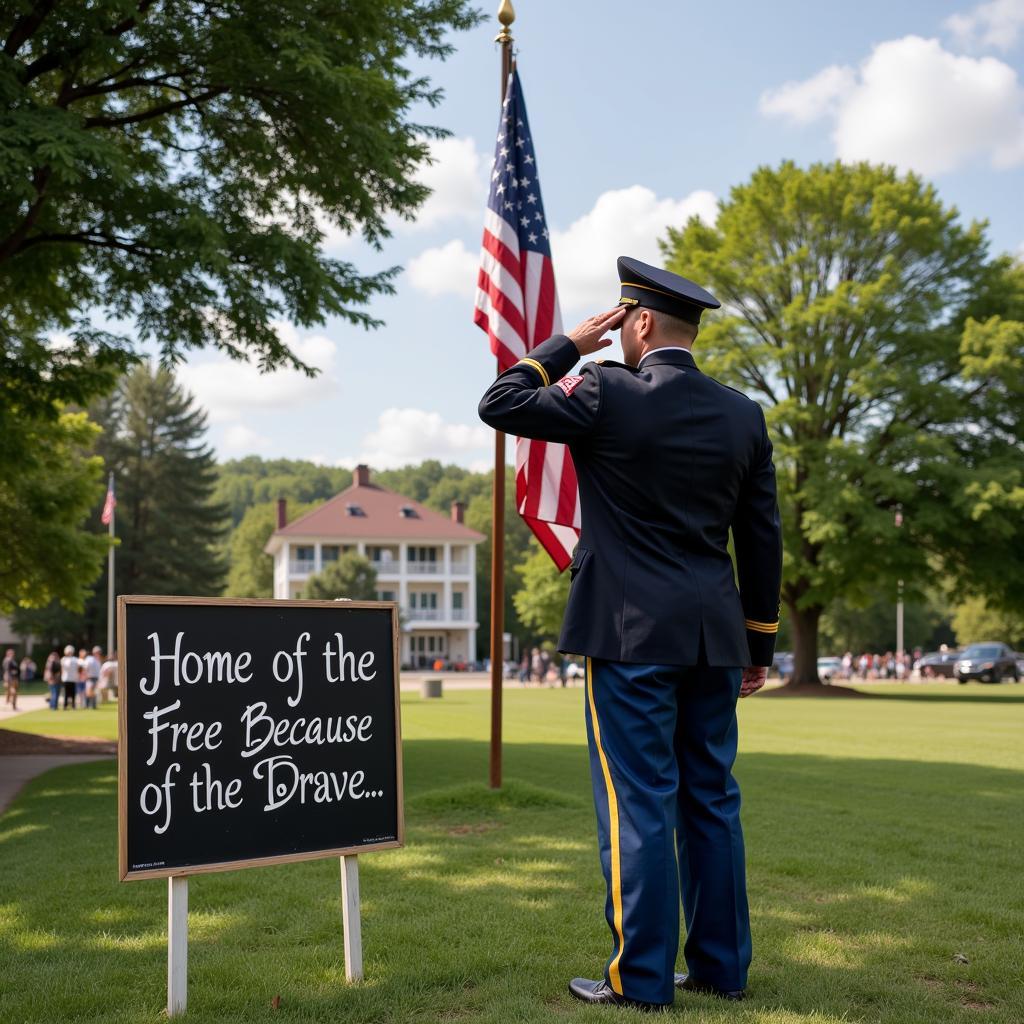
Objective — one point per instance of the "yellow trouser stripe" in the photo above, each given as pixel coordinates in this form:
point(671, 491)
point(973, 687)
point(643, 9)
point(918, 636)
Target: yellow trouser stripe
point(540, 369)
point(613, 830)
point(762, 627)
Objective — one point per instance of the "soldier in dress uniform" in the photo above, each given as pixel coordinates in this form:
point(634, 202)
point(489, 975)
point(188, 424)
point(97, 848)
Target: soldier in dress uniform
point(668, 461)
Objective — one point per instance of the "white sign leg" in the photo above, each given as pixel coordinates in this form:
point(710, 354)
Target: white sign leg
point(177, 945)
point(350, 918)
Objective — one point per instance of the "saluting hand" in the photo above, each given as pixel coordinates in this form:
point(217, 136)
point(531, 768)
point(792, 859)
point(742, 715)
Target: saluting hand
point(587, 336)
point(753, 679)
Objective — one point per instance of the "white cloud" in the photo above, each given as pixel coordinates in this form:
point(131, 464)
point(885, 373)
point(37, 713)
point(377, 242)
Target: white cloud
point(995, 25)
point(448, 269)
point(806, 101)
point(411, 435)
point(457, 178)
point(623, 222)
point(228, 389)
point(916, 105)
point(240, 438)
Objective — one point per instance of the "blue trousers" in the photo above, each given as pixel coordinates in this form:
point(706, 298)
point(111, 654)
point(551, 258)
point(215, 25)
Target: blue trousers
point(662, 745)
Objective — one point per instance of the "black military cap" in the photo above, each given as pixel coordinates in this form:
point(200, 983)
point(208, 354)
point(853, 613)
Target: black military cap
point(644, 285)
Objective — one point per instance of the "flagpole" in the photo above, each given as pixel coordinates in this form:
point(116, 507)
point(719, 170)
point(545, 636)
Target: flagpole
point(506, 15)
point(110, 571)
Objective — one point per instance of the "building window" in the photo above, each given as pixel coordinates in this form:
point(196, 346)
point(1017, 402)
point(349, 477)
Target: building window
point(457, 600)
point(422, 554)
point(304, 553)
point(354, 510)
point(329, 552)
point(408, 512)
point(385, 595)
point(427, 599)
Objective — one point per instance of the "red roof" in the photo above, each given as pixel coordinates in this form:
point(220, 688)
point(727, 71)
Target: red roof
point(382, 518)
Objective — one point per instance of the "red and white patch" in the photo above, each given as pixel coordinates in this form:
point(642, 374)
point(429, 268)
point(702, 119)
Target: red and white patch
point(569, 384)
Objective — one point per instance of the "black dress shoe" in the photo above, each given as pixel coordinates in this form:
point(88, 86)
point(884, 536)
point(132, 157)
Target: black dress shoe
point(688, 984)
point(600, 993)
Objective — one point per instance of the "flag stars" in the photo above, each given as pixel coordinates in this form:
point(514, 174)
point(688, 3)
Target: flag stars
point(525, 221)
point(520, 142)
point(528, 159)
point(504, 152)
point(533, 238)
point(508, 205)
point(532, 198)
point(524, 182)
point(538, 216)
point(500, 188)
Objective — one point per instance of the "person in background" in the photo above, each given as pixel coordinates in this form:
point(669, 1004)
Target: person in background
point(92, 676)
point(524, 668)
point(69, 669)
point(3, 671)
point(848, 665)
point(12, 676)
point(51, 676)
point(108, 678)
point(28, 669)
point(80, 685)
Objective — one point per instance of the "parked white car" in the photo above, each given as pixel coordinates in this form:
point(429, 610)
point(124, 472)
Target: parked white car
point(829, 668)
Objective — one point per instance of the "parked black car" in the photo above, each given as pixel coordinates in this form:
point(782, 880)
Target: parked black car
point(990, 662)
point(939, 664)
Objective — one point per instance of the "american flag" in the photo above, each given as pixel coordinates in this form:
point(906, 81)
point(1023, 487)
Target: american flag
point(517, 305)
point(110, 504)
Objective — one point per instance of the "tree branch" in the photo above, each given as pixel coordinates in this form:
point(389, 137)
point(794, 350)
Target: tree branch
point(153, 112)
point(25, 27)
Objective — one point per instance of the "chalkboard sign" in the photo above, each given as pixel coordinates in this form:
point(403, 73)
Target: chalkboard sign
point(254, 731)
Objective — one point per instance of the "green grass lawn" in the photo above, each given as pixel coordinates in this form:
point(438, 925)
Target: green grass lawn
point(884, 844)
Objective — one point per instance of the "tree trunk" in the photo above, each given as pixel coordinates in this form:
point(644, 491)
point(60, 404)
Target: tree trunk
point(805, 645)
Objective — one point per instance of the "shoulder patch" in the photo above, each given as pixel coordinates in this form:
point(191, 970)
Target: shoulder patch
point(569, 384)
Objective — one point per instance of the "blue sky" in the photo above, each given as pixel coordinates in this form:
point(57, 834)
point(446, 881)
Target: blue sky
point(641, 115)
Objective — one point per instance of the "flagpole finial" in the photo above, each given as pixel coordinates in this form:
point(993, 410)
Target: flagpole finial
point(506, 15)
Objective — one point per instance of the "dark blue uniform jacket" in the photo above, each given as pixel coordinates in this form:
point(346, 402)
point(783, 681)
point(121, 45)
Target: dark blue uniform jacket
point(668, 460)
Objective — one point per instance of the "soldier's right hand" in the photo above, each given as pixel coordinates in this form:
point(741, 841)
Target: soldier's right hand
point(753, 679)
point(588, 336)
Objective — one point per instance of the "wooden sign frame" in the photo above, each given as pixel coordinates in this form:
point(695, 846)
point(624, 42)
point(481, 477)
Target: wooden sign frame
point(123, 602)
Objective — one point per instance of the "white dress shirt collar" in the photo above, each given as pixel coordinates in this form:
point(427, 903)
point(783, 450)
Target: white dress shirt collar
point(664, 348)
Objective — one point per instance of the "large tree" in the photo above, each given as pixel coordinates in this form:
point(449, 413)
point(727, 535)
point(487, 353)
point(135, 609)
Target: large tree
point(881, 338)
point(350, 576)
point(251, 570)
point(45, 500)
point(169, 528)
point(177, 166)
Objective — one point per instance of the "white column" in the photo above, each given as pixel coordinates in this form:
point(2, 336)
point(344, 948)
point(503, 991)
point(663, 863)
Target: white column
point(361, 548)
point(403, 580)
point(287, 549)
point(446, 586)
point(317, 557)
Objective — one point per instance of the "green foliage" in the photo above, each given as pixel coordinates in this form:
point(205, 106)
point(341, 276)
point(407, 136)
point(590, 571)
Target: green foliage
point(242, 483)
point(350, 576)
point(543, 591)
point(859, 312)
point(251, 571)
point(974, 621)
point(517, 542)
point(178, 166)
point(872, 628)
point(46, 553)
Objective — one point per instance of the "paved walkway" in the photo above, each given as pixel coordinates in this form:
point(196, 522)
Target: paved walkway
point(26, 702)
point(17, 769)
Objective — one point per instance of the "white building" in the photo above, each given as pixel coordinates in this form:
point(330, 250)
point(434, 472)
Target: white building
point(425, 561)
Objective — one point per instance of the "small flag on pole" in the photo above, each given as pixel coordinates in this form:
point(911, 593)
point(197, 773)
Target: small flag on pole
point(517, 305)
point(110, 504)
